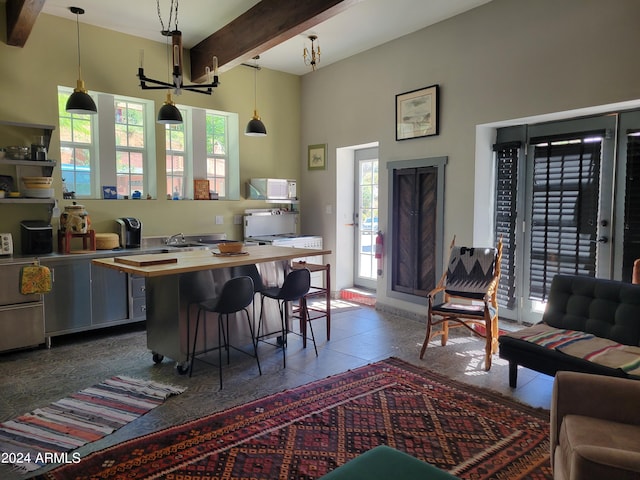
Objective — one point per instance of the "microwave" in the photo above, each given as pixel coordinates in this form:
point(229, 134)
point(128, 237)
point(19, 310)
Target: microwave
point(272, 189)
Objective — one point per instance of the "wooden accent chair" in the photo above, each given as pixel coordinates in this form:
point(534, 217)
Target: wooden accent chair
point(469, 284)
point(636, 271)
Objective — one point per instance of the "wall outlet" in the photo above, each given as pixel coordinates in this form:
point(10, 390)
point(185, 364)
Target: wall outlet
point(219, 220)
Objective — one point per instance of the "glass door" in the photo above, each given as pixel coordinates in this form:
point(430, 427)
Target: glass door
point(569, 210)
point(365, 264)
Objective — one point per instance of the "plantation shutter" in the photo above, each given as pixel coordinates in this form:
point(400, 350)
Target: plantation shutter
point(506, 155)
point(631, 247)
point(566, 176)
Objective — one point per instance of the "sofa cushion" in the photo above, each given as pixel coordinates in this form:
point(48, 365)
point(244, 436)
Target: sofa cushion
point(584, 346)
point(599, 449)
point(605, 308)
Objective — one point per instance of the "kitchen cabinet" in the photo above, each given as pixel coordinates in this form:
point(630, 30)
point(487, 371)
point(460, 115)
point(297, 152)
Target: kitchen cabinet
point(21, 316)
point(15, 133)
point(85, 297)
point(109, 292)
point(67, 308)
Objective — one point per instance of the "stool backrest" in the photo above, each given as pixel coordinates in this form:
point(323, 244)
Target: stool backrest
point(296, 285)
point(249, 271)
point(236, 294)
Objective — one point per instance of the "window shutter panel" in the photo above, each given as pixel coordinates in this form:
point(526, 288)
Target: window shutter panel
point(566, 180)
point(631, 208)
point(505, 218)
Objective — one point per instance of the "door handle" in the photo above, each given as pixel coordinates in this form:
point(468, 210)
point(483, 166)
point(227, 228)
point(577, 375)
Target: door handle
point(602, 239)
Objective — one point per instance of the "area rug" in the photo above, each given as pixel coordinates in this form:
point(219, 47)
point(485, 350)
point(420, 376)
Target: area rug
point(305, 432)
point(45, 435)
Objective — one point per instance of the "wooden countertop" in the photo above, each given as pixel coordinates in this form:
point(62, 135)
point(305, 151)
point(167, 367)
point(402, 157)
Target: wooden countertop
point(197, 260)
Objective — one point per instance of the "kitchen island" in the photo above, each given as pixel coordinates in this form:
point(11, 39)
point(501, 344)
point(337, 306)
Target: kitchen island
point(176, 281)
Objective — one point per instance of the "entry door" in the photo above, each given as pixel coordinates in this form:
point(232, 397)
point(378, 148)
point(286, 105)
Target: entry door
point(365, 265)
point(569, 205)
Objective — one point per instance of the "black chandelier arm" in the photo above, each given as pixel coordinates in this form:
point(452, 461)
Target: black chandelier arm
point(204, 88)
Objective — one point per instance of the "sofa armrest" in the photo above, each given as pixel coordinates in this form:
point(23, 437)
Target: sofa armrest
point(591, 457)
point(598, 396)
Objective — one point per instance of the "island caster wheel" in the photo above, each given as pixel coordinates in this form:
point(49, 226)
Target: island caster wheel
point(157, 358)
point(182, 368)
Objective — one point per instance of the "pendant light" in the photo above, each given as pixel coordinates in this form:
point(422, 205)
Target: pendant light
point(80, 101)
point(169, 113)
point(255, 127)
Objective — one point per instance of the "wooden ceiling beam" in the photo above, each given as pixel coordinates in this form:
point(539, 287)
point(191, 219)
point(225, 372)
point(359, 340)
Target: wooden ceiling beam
point(265, 25)
point(21, 17)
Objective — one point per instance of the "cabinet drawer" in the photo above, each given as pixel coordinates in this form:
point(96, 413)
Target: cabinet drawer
point(21, 326)
point(137, 286)
point(138, 308)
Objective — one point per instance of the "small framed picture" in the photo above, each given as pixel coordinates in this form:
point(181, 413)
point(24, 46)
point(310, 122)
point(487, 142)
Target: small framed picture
point(317, 157)
point(417, 113)
point(109, 192)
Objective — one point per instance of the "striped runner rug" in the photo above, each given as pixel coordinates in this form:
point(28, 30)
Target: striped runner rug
point(46, 435)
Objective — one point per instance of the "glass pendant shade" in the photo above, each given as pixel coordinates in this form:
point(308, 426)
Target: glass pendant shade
point(255, 127)
point(169, 113)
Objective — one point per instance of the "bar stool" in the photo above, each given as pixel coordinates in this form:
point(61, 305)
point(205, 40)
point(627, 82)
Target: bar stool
point(235, 296)
point(317, 291)
point(295, 286)
point(251, 271)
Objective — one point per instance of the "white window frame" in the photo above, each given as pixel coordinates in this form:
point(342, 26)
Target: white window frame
point(104, 143)
point(196, 154)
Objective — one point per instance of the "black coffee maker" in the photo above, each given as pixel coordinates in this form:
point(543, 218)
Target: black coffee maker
point(130, 231)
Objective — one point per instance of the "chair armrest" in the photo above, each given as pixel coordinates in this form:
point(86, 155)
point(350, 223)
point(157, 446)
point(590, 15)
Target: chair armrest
point(598, 396)
point(435, 291)
point(620, 459)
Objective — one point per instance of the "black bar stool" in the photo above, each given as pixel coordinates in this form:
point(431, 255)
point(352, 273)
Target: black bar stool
point(294, 288)
point(235, 296)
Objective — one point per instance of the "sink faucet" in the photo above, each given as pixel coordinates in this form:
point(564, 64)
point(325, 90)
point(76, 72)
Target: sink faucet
point(173, 239)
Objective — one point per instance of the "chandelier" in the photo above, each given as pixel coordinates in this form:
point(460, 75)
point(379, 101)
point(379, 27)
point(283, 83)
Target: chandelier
point(312, 57)
point(176, 81)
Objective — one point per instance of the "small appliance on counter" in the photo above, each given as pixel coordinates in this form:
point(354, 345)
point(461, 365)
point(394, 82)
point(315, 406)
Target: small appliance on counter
point(6, 244)
point(130, 231)
point(36, 237)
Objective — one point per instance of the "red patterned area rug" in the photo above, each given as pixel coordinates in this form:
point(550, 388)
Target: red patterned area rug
point(308, 431)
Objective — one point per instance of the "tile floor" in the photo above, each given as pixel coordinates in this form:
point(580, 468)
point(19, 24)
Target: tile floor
point(359, 335)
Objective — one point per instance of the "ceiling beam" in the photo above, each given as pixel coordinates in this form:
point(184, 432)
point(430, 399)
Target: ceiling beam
point(21, 17)
point(265, 25)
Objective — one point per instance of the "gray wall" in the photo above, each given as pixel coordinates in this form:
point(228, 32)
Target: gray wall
point(505, 60)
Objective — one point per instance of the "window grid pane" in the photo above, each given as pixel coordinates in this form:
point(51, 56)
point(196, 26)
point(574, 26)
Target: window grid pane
point(130, 144)
point(175, 158)
point(217, 158)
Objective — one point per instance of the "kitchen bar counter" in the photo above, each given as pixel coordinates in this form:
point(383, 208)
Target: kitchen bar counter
point(173, 290)
point(196, 260)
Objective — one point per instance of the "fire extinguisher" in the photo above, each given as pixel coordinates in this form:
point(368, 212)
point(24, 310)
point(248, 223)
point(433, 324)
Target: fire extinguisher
point(379, 251)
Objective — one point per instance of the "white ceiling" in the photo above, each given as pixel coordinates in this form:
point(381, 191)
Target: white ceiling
point(365, 25)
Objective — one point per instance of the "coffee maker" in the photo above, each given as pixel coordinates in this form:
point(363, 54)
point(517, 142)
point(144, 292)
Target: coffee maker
point(130, 231)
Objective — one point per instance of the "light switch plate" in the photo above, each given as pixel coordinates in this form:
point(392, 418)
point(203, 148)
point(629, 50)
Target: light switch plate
point(219, 220)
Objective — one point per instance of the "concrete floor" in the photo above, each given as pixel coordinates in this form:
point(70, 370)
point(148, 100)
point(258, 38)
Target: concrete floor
point(359, 335)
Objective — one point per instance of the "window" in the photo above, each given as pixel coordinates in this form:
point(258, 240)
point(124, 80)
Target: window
point(205, 146)
point(76, 149)
point(217, 159)
point(130, 147)
point(175, 158)
point(112, 148)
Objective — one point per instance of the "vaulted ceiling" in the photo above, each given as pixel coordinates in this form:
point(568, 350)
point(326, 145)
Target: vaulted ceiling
point(237, 30)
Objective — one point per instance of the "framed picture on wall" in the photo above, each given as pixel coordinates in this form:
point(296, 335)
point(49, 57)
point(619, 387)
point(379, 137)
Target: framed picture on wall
point(317, 157)
point(417, 113)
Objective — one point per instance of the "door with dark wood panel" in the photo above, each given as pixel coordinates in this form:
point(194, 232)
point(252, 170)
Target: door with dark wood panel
point(414, 227)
